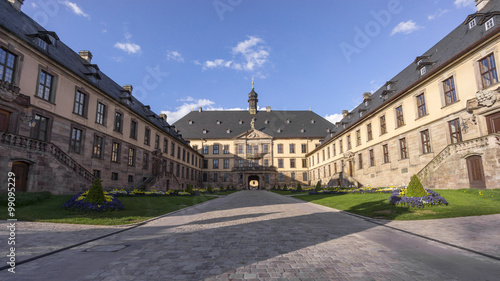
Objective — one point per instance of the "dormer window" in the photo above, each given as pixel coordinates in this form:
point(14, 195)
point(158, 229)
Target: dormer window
point(288, 121)
point(228, 131)
point(302, 130)
point(204, 131)
point(489, 24)
point(472, 23)
point(266, 121)
point(44, 38)
point(312, 121)
point(343, 126)
point(388, 87)
point(365, 102)
point(423, 70)
point(93, 73)
point(219, 122)
point(328, 130)
point(40, 43)
point(190, 122)
point(279, 130)
point(240, 122)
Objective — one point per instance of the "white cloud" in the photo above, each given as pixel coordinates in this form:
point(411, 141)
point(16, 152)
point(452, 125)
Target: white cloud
point(334, 118)
point(77, 10)
point(130, 48)
point(34, 5)
point(118, 59)
point(174, 55)
point(248, 55)
point(189, 104)
point(464, 3)
point(405, 27)
point(437, 14)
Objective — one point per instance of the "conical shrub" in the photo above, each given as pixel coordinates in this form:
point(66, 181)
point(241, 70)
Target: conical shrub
point(318, 186)
point(96, 194)
point(415, 188)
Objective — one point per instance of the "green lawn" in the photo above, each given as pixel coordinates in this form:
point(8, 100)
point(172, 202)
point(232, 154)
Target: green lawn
point(136, 209)
point(288, 192)
point(462, 203)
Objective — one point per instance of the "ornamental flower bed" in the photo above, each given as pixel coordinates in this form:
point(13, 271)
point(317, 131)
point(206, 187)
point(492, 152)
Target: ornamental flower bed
point(148, 193)
point(77, 203)
point(362, 190)
point(399, 198)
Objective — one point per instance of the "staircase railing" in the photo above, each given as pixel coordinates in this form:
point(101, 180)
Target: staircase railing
point(48, 148)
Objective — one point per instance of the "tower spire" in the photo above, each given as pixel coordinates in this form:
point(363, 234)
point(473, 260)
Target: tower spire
point(252, 82)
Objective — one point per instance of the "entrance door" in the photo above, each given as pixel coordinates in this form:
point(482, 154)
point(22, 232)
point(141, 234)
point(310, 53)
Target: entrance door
point(4, 120)
point(493, 122)
point(475, 171)
point(155, 166)
point(350, 168)
point(20, 169)
point(253, 182)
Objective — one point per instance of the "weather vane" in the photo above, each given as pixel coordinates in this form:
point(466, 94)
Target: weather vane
point(252, 82)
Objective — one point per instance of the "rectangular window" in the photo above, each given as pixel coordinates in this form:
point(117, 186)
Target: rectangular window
point(266, 148)
point(40, 131)
point(178, 170)
point(358, 137)
point(97, 174)
point(114, 176)
point(226, 163)
point(216, 149)
point(304, 148)
point(450, 96)
point(266, 163)
point(455, 132)
point(489, 24)
point(205, 163)
point(488, 71)
point(280, 163)
point(240, 163)
point(323, 152)
point(422, 110)
point(349, 142)
point(385, 149)
point(131, 157)
point(334, 149)
point(79, 105)
point(360, 161)
point(399, 116)
point(115, 152)
point(147, 136)
point(255, 149)
point(304, 176)
point(101, 114)
point(341, 148)
point(45, 86)
point(292, 148)
point(205, 149)
point(130, 178)
point(179, 152)
point(280, 177)
point(292, 163)
point(118, 122)
point(292, 176)
point(240, 178)
point(145, 161)
point(304, 163)
point(403, 148)
point(383, 127)
point(328, 152)
point(7, 65)
point(76, 140)
point(280, 148)
point(372, 158)
point(226, 149)
point(267, 178)
point(369, 133)
point(216, 177)
point(133, 129)
point(172, 149)
point(216, 164)
point(426, 142)
point(165, 145)
point(98, 146)
point(240, 149)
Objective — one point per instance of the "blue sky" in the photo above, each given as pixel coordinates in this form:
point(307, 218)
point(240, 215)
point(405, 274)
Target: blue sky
point(183, 54)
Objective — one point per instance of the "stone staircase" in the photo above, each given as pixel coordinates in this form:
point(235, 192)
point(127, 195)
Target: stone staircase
point(343, 180)
point(159, 182)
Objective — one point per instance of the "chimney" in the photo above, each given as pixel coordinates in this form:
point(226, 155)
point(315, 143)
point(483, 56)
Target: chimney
point(200, 109)
point(481, 3)
point(163, 116)
point(16, 4)
point(366, 95)
point(268, 109)
point(86, 55)
point(344, 113)
point(128, 88)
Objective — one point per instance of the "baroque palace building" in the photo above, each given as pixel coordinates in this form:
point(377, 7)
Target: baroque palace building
point(254, 148)
point(63, 122)
point(439, 118)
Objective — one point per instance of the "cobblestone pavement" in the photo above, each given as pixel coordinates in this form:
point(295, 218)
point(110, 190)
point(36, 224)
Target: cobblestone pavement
point(258, 235)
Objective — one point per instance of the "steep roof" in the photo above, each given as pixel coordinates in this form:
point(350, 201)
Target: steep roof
point(217, 124)
point(440, 55)
point(24, 28)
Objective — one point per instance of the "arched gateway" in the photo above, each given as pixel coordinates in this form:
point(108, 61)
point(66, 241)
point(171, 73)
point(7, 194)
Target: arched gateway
point(253, 182)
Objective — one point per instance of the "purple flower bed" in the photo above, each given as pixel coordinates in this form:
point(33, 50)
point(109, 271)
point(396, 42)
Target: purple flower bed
point(433, 199)
point(74, 204)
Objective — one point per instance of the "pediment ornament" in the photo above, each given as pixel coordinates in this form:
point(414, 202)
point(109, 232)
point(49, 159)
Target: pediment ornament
point(486, 98)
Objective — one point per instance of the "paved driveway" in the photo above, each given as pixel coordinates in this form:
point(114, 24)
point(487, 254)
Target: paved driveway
point(259, 235)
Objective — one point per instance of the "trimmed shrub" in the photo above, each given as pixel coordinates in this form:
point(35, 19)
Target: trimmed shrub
point(299, 187)
point(209, 189)
point(415, 188)
point(189, 188)
point(318, 186)
point(96, 194)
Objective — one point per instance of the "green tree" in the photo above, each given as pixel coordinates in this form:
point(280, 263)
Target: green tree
point(299, 187)
point(96, 194)
point(415, 188)
point(209, 189)
point(318, 186)
point(189, 189)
